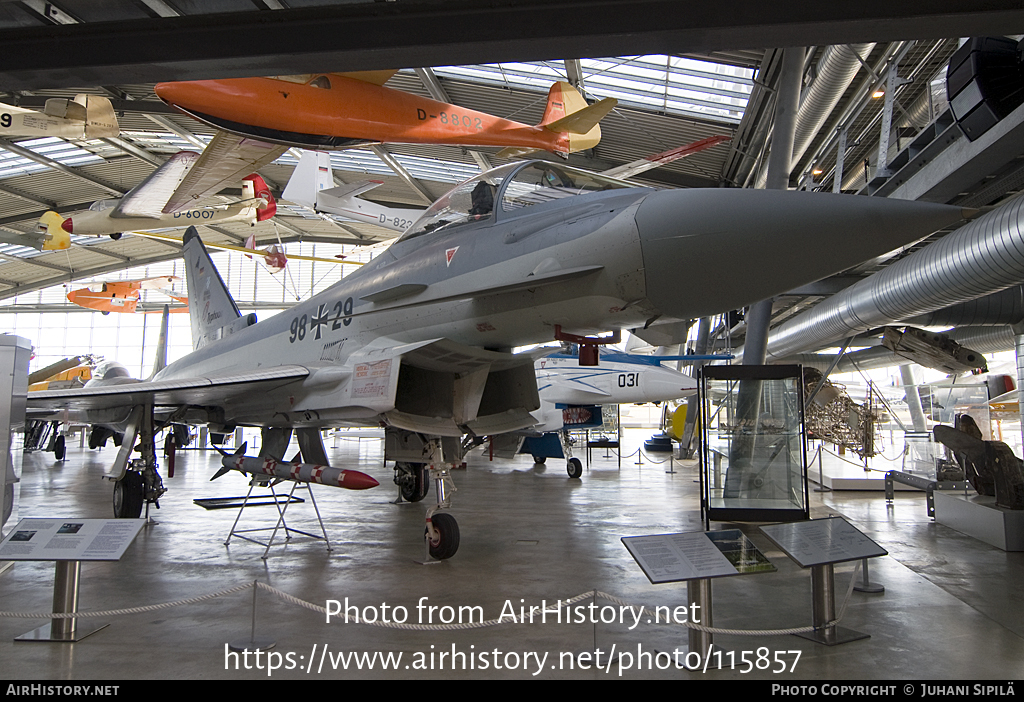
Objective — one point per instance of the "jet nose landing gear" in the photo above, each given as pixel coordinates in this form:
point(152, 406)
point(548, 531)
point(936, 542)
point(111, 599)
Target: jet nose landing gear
point(442, 533)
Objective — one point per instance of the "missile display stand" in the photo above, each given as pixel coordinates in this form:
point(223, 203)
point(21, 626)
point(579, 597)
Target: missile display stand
point(281, 523)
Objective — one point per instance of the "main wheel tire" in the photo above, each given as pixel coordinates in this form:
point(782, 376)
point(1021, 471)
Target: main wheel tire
point(447, 541)
point(59, 448)
point(574, 468)
point(413, 479)
point(129, 496)
point(540, 459)
point(116, 235)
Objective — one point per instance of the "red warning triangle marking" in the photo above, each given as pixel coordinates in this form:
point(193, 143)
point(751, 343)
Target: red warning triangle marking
point(450, 254)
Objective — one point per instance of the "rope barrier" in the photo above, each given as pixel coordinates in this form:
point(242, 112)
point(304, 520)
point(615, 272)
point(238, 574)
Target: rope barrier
point(291, 599)
point(841, 458)
point(640, 451)
point(133, 610)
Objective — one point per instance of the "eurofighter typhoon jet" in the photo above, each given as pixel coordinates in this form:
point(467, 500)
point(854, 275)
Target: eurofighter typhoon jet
point(420, 339)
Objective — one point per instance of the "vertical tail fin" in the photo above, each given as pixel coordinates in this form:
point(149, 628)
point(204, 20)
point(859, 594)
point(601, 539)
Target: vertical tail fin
point(57, 238)
point(100, 120)
point(568, 112)
point(161, 345)
point(254, 186)
point(312, 175)
point(212, 309)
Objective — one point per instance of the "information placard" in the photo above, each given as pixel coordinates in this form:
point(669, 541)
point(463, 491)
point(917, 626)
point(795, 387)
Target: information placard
point(70, 539)
point(821, 541)
point(668, 558)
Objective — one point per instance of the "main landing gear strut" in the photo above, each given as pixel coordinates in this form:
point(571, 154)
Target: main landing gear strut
point(138, 481)
point(418, 462)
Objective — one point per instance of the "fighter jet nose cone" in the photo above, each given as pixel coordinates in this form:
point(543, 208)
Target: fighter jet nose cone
point(708, 250)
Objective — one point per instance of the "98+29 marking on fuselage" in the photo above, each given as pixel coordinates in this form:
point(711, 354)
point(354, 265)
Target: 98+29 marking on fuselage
point(313, 325)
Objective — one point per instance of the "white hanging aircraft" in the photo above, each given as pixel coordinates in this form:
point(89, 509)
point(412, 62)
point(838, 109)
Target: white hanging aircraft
point(85, 117)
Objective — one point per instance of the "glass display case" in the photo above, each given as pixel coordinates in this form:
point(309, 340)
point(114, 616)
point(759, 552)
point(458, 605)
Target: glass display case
point(754, 448)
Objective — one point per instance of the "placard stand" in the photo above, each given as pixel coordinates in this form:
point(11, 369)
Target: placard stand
point(698, 596)
point(818, 544)
point(696, 558)
point(823, 610)
point(65, 600)
point(68, 542)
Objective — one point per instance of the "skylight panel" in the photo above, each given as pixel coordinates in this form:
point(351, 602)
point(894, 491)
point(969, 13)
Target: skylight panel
point(670, 84)
point(58, 150)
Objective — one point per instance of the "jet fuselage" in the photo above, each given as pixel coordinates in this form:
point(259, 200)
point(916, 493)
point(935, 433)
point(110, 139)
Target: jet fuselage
point(558, 247)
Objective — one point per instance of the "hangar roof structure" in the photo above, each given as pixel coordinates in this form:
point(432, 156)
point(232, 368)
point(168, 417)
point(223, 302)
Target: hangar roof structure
point(680, 73)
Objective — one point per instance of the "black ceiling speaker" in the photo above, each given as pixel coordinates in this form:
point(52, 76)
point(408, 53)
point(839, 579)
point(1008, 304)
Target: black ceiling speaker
point(985, 83)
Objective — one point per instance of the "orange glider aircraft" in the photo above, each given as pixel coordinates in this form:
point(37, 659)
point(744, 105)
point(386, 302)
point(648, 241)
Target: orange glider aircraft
point(122, 295)
point(342, 110)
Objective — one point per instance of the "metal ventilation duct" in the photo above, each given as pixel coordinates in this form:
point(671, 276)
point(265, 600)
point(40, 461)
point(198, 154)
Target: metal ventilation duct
point(981, 258)
point(836, 68)
point(1002, 308)
point(985, 339)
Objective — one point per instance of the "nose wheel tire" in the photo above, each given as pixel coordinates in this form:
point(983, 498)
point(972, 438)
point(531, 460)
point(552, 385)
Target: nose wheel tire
point(59, 448)
point(574, 467)
point(446, 542)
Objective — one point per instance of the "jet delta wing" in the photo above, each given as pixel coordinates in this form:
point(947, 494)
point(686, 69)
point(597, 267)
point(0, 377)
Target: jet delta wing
point(418, 339)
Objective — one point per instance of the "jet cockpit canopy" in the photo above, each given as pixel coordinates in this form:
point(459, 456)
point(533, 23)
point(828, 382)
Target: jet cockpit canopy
point(515, 186)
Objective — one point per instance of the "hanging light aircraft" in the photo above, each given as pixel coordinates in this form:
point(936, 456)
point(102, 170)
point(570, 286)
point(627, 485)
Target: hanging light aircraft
point(312, 185)
point(123, 295)
point(144, 208)
point(85, 117)
point(417, 339)
point(342, 110)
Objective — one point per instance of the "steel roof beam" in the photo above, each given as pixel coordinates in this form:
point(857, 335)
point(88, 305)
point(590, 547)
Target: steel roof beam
point(34, 262)
point(437, 91)
point(391, 162)
point(385, 35)
point(57, 166)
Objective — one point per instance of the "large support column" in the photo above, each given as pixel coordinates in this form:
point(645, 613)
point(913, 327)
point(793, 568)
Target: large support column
point(914, 397)
point(686, 443)
point(780, 162)
point(1018, 332)
point(760, 314)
